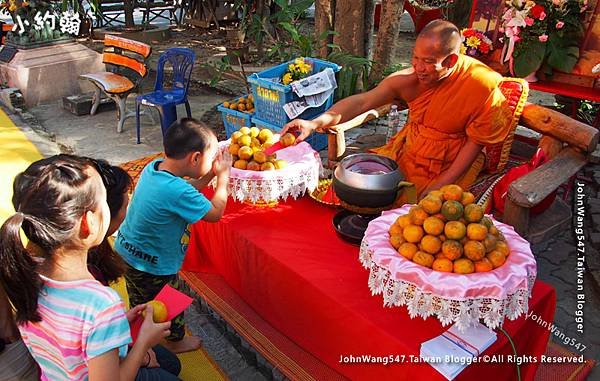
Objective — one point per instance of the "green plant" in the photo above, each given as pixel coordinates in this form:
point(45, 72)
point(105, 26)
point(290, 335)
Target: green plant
point(354, 75)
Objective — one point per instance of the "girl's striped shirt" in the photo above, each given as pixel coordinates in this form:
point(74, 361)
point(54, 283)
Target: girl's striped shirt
point(80, 320)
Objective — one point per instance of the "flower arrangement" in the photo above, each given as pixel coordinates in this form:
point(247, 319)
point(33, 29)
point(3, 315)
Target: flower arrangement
point(542, 34)
point(297, 70)
point(475, 43)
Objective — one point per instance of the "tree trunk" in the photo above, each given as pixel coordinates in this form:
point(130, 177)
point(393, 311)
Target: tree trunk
point(389, 28)
point(350, 26)
point(260, 12)
point(369, 27)
point(324, 21)
point(129, 5)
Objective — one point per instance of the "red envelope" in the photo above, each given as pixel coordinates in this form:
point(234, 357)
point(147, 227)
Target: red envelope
point(274, 148)
point(175, 301)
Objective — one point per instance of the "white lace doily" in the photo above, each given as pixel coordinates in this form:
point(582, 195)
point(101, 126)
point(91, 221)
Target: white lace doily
point(451, 298)
point(301, 174)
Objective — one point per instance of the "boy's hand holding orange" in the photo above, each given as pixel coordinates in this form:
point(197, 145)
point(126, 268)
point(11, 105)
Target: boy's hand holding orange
point(152, 333)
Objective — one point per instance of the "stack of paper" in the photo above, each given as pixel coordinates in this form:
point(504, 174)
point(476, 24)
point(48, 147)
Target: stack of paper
point(313, 92)
point(452, 351)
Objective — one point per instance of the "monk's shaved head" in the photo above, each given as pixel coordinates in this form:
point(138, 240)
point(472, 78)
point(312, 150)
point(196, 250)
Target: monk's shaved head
point(446, 35)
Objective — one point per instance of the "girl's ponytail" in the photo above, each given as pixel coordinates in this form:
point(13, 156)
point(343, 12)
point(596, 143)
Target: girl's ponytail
point(18, 273)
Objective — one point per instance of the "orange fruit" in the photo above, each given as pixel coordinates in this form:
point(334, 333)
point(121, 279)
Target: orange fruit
point(403, 220)
point(159, 311)
point(254, 131)
point(242, 99)
point(241, 164)
point(413, 233)
point(396, 229)
point(423, 259)
point(431, 204)
point(440, 255)
point(452, 210)
point(502, 247)
point(235, 136)
point(233, 106)
point(280, 164)
point(245, 153)
point(452, 249)
point(396, 240)
point(266, 145)
point(226, 104)
point(487, 222)
point(455, 230)
point(490, 242)
point(484, 265)
point(433, 226)
point(250, 97)
point(245, 130)
point(452, 192)
point(407, 250)
point(233, 149)
point(268, 166)
point(254, 142)
point(440, 216)
point(497, 258)
point(253, 166)
point(436, 193)
point(443, 264)
point(467, 198)
point(477, 232)
point(494, 230)
point(260, 157)
point(287, 139)
point(265, 135)
point(474, 250)
point(431, 244)
point(241, 106)
point(244, 140)
point(442, 237)
point(473, 213)
point(463, 266)
point(417, 215)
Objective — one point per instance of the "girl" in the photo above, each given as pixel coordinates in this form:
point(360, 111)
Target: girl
point(75, 328)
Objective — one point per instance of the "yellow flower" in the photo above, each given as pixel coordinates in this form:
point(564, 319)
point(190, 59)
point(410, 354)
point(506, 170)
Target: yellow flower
point(287, 79)
point(473, 42)
point(463, 49)
point(291, 67)
point(299, 61)
point(12, 8)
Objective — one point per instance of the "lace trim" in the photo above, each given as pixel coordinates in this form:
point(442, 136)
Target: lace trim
point(448, 311)
point(276, 188)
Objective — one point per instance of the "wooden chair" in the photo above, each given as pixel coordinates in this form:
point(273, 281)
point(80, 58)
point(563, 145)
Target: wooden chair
point(126, 67)
point(578, 141)
point(154, 9)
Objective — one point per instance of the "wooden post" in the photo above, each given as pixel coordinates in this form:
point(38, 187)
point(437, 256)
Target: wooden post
point(516, 216)
point(350, 26)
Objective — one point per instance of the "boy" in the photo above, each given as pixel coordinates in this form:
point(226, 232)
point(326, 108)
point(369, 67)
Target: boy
point(152, 239)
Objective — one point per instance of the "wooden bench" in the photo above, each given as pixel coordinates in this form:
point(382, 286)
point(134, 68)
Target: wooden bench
point(578, 142)
point(126, 67)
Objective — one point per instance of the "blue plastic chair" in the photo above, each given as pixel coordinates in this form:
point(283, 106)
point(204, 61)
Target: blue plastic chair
point(166, 99)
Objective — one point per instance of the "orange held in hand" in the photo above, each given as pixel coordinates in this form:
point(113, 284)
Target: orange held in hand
point(159, 311)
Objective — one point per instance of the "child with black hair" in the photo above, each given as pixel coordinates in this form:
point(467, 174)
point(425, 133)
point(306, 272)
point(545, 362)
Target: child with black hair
point(75, 328)
point(153, 237)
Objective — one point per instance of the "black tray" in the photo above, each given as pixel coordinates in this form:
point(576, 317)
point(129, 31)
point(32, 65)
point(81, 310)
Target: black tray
point(351, 226)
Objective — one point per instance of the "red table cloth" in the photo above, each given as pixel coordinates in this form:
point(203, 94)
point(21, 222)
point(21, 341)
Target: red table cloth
point(289, 265)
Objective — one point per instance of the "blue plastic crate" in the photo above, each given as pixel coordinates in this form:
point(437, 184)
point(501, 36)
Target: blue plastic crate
point(317, 141)
point(269, 96)
point(234, 119)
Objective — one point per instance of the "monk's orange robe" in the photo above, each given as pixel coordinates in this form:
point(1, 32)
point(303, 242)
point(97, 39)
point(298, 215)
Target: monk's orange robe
point(466, 105)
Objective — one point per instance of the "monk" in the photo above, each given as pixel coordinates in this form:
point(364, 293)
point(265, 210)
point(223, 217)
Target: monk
point(455, 109)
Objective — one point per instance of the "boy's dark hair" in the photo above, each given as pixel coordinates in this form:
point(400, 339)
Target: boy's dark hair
point(50, 198)
point(117, 181)
point(185, 136)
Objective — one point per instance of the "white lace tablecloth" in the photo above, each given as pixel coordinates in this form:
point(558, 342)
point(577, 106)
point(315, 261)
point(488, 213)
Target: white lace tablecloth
point(301, 174)
point(452, 298)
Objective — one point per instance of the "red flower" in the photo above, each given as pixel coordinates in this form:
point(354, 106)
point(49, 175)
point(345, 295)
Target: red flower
point(468, 32)
point(538, 12)
point(484, 48)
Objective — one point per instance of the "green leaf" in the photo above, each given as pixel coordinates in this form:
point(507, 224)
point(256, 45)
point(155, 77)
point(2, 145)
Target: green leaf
point(562, 54)
point(290, 29)
point(530, 61)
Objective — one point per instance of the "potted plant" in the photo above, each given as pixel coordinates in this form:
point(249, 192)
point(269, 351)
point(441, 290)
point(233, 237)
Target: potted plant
point(544, 34)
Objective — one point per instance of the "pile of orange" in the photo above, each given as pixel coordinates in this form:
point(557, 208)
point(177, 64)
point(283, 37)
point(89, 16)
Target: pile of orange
point(448, 232)
point(247, 148)
point(241, 104)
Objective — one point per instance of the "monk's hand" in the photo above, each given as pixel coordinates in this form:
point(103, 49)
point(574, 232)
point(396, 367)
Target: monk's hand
point(305, 127)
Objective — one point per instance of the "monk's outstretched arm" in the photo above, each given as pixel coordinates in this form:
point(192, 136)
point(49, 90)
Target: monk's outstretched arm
point(465, 158)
